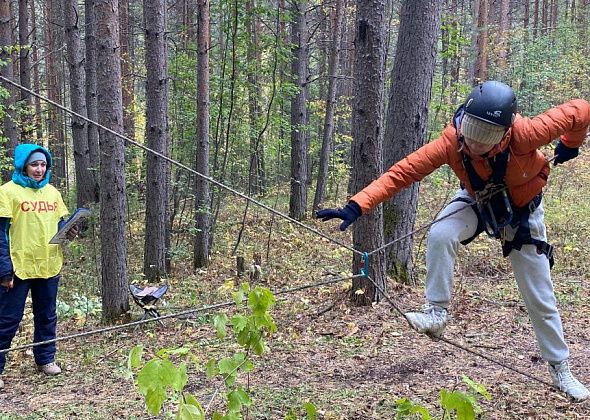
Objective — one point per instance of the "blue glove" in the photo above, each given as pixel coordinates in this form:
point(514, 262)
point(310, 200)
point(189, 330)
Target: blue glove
point(348, 213)
point(564, 153)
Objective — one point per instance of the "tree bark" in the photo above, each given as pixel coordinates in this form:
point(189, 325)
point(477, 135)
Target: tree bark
point(298, 198)
point(367, 132)
point(90, 96)
point(504, 34)
point(53, 80)
point(8, 104)
point(126, 69)
point(157, 212)
point(36, 81)
point(535, 18)
point(85, 180)
point(24, 34)
point(481, 63)
point(113, 217)
point(407, 121)
point(202, 186)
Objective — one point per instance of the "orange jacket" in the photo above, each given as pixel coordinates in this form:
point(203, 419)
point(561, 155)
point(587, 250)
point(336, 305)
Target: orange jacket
point(527, 170)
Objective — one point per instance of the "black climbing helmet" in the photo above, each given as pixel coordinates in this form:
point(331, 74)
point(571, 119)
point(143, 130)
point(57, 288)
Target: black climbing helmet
point(493, 102)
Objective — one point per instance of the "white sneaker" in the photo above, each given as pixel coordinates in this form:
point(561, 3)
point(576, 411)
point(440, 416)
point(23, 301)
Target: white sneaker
point(432, 320)
point(565, 381)
point(1, 383)
point(50, 369)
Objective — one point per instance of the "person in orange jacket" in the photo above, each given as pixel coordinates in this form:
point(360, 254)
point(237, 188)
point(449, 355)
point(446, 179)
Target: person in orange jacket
point(494, 153)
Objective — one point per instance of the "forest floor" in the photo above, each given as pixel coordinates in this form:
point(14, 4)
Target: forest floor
point(350, 362)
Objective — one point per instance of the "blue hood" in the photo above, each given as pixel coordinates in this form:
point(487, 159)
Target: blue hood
point(21, 154)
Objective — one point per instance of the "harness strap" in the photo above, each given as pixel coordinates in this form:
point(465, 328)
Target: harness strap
point(523, 234)
point(480, 224)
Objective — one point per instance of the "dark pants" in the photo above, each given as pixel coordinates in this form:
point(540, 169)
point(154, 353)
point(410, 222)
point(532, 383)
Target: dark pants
point(12, 307)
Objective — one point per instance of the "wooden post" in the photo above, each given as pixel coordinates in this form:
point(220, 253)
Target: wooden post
point(240, 265)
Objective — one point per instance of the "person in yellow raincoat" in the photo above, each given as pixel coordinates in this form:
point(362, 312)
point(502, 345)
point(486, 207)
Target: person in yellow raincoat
point(31, 212)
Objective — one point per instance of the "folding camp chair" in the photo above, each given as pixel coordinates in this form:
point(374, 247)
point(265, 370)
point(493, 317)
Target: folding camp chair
point(147, 298)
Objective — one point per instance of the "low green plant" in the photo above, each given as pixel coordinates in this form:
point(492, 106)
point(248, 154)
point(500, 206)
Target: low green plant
point(455, 404)
point(79, 307)
point(160, 380)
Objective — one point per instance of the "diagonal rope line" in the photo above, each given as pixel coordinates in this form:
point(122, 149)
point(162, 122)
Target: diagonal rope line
point(266, 207)
point(181, 165)
point(174, 315)
point(459, 345)
point(419, 229)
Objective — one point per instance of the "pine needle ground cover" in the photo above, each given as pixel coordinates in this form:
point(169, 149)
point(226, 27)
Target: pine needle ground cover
point(350, 362)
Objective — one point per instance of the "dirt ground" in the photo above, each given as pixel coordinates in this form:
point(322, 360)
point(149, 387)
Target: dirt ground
point(350, 362)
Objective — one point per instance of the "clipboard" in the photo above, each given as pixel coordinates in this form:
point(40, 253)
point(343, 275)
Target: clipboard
point(79, 215)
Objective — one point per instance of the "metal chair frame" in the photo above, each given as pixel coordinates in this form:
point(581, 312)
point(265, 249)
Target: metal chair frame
point(148, 301)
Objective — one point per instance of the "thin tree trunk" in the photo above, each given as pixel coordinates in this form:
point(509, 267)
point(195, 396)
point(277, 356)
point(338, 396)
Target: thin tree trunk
point(24, 41)
point(9, 123)
point(85, 180)
point(113, 217)
point(126, 69)
point(253, 56)
point(328, 131)
point(157, 212)
point(91, 100)
point(481, 66)
point(298, 198)
point(544, 17)
point(582, 21)
point(202, 187)
point(535, 18)
point(503, 36)
point(36, 81)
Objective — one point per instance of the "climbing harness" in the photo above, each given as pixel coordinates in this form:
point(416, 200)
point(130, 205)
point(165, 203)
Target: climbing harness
point(493, 206)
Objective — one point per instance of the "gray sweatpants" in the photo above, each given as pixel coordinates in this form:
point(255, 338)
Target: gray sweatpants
point(531, 271)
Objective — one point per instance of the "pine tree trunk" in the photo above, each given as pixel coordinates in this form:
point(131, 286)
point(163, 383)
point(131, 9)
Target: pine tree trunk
point(113, 217)
point(407, 121)
point(367, 132)
point(24, 41)
point(84, 177)
point(202, 187)
point(9, 122)
point(298, 198)
point(481, 63)
point(53, 80)
point(91, 100)
point(157, 212)
point(36, 80)
point(126, 69)
point(504, 34)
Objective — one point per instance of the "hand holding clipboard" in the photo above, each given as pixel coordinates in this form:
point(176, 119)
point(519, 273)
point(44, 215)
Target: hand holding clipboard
point(78, 216)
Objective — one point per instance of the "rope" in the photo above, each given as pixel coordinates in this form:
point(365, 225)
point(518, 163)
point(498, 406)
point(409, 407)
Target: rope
point(174, 315)
point(271, 210)
point(180, 165)
point(458, 345)
point(421, 228)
